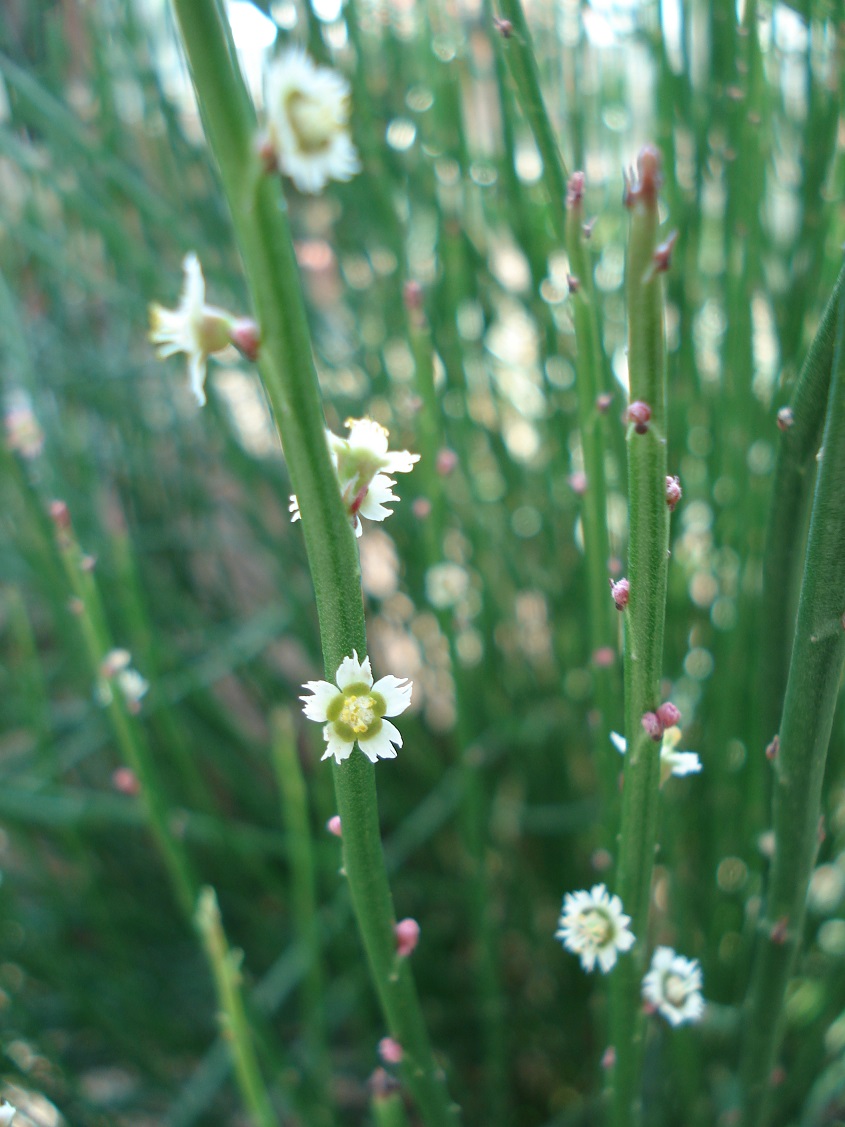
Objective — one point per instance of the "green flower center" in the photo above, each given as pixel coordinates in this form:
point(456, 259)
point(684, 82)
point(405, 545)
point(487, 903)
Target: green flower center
point(312, 121)
point(358, 713)
point(596, 926)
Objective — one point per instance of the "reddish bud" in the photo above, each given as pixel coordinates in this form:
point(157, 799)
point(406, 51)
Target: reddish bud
point(575, 189)
point(620, 591)
point(412, 295)
point(267, 154)
point(333, 825)
point(608, 1059)
point(668, 714)
point(60, 515)
point(504, 27)
point(639, 414)
point(125, 781)
point(644, 185)
point(662, 257)
point(578, 483)
point(446, 461)
point(651, 725)
point(773, 748)
point(573, 283)
point(603, 403)
point(390, 1050)
point(421, 508)
point(673, 492)
point(604, 657)
point(785, 418)
point(407, 937)
point(246, 337)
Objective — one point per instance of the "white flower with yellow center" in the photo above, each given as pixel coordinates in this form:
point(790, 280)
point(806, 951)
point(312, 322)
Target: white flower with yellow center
point(354, 710)
point(672, 761)
point(362, 462)
point(594, 927)
point(673, 987)
point(307, 121)
point(193, 327)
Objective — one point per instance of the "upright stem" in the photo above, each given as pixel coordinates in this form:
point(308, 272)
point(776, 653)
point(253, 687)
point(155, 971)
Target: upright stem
point(290, 380)
point(645, 616)
point(818, 656)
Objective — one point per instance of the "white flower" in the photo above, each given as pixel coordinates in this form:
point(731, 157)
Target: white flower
point(116, 666)
point(362, 462)
point(23, 432)
point(307, 118)
point(7, 1113)
point(672, 761)
point(354, 710)
point(194, 328)
point(594, 927)
point(673, 987)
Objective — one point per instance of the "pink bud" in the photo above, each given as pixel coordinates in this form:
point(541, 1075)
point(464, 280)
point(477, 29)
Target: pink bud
point(246, 337)
point(786, 418)
point(604, 657)
point(390, 1051)
point(573, 283)
point(421, 508)
point(446, 461)
point(575, 189)
point(663, 254)
point(412, 295)
point(673, 492)
point(645, 184)
point(668, 714)
point(608, 1059)
point(60, 515)
point(639, 414)
point(578, 483)
point(620, 592)
point(125, 781)
point(333, 825)
point(603, 403)
point(651, 725)
point(407, 936)
point(504, 27)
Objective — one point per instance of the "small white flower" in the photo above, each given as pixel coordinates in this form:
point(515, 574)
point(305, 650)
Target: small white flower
point(354, 710)
point(672, 761)
point(362, 462)
point(7, 1113)
point(24, 435)
point(307, 121)
point(673, 987)
point(194, 328)
point(593, 927)
point(446, 584)
point(116, 667)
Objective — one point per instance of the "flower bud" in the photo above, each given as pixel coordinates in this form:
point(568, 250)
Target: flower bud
point(390, 1050)
point(578, 483)
point(603, 403)
point(668, 714)
point(673, 492)
point(246, 337)
point(125, 781)
point(652, 726)
point(333, 825)
point(446, 461)
point(620, 592)
point(639, 414)
point(785, 418)
point(407, 936)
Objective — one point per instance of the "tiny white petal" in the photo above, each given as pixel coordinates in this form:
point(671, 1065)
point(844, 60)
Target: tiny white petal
point(380, 746)
point(396, 693)
point(351, 671)
point(373, 507)
point(315, 706)
point(293, 509)
point(619, 742)
point(335, 745)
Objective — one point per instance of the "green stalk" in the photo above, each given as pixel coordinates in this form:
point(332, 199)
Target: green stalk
point(523, 68)
point(645, 616)
point(818, 656)
point(298, 835)
point(290, 380)
point(791, 486)
point(226, 967)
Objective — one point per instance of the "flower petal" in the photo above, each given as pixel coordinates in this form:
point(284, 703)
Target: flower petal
point(396, 693)
point(323, 694)
point(351, 671)
point(341, 749)
point(619, 742)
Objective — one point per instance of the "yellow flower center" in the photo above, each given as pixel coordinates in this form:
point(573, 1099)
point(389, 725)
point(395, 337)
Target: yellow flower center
point(596, 926)
point(313, 122)
point(358, 713)
point(675, 990)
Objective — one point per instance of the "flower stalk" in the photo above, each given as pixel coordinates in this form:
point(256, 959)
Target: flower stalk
point(644, 623)
point(287, 370)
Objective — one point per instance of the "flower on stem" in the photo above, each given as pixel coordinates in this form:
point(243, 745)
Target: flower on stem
point(197, 329)
point(639, 414)
point(673, 492)
point(390, 1050)
point(672, 761)
point(407, 933)
point(116, 667)
point(354, 710)
point(594, 927)
point(620, 592)
point(362, 462)
point(333, 825)
point(307, 121)
point(672, 987)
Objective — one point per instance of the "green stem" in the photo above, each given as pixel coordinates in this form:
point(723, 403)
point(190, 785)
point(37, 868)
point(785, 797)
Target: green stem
point(290, 380)
point(645, 616)
point(818, 656)
point(225, 964)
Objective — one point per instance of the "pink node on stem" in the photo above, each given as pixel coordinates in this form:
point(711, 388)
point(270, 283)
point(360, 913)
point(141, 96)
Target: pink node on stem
point(620, 591)
point(651, 725)
point(407, 937)
point(333, 825)
point(390, 1050)
point(639, 414)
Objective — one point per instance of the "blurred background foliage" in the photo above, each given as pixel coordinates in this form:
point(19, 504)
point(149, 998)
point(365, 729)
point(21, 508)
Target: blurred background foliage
point(106, 1007)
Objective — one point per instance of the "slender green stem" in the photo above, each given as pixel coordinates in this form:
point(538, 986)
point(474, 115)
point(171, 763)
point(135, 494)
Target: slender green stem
point(645, 616)
point(818, 656)
point(226, 967)
point(287, 370)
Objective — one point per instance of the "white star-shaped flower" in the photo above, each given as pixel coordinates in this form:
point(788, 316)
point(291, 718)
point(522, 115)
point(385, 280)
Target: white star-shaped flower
point(362, 462)
point(307, 121)
point(193, 327)
point(354, 710)
point(672, 761)
point(594, 927)
point(673, 987)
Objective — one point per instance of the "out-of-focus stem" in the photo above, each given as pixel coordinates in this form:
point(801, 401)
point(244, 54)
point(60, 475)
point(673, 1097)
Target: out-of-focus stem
point(645, 616)
point(226, 967)
point(818, 656)
point(287, 370)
